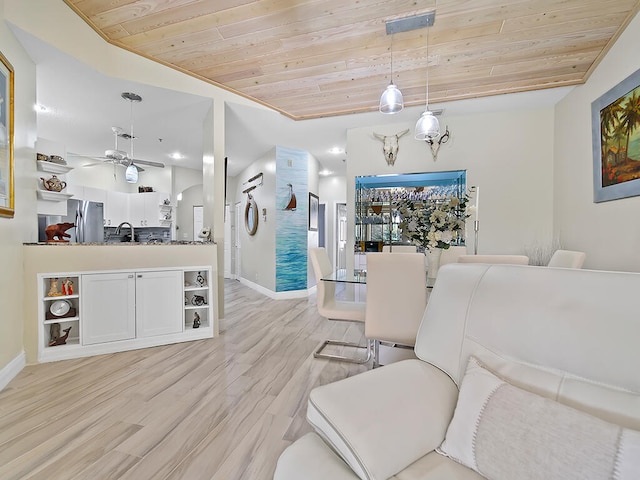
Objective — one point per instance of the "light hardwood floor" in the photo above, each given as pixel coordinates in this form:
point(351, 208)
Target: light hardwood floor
point(220, 409)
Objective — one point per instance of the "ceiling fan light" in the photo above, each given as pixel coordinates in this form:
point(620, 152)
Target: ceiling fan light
point(391, 100)
point(427, 127)
point(131, 174)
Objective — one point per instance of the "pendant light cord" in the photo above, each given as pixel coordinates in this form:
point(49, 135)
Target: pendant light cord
point(391, 79)
point(427, 62)
point(132, 137)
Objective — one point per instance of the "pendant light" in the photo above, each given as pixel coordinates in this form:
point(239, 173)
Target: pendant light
point(427, 126)
point(391, 100)
point(131, 173)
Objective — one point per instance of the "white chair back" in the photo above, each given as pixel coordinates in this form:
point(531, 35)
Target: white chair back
point(548, 324)
point(451, 254)
point(396, 296)
point(322, 268)
point(495, 259)
point(567, 259)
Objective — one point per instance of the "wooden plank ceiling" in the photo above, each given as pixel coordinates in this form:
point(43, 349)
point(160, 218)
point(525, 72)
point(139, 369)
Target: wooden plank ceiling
point(315, 58)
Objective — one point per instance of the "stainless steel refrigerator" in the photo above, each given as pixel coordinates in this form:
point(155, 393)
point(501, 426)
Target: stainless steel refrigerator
point(88, 218)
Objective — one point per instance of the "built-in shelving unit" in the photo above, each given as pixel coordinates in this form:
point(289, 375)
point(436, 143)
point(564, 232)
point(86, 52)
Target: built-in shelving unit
point(57, 169)
point(197, 292)
point(60, 309)
point(166, 214)
point(53, 196)
point(52, 167)
point(117, 310)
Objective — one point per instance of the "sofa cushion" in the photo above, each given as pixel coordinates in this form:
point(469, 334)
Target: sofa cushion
point(383, 420)
point(504, 432)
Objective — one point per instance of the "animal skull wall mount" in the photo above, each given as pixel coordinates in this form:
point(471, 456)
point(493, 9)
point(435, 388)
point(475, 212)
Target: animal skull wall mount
point(435, 144)
point(390, 145)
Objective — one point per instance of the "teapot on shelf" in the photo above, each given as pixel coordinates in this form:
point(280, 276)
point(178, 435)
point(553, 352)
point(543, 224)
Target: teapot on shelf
point(53, 184)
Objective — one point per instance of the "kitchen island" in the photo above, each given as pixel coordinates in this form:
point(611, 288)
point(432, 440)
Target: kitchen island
point(120, 296)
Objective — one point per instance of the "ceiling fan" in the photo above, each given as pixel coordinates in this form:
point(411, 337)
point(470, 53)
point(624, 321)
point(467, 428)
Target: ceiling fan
point(120, 157)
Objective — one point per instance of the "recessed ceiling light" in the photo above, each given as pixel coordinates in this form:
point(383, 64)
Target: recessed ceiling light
point(336, 150)
point(176, 156)
point(325, 172)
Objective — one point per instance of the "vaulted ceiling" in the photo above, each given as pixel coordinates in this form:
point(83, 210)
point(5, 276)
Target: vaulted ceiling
point(318, 58)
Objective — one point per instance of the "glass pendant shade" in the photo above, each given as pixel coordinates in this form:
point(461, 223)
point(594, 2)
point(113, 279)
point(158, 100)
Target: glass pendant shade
point(427, 127)
point(391, 100)
point(131, 174)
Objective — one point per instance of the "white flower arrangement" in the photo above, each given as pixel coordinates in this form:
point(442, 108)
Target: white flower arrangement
point(434, 223)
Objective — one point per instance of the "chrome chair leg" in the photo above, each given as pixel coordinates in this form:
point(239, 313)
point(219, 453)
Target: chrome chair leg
point(376, 353)
point(327, 356)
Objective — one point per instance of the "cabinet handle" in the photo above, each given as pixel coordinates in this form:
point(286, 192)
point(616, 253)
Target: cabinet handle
point(131, 276)
point(139, 276)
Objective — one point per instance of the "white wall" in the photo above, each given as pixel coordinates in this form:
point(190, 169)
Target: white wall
point(609, 232)
point(23, 227)
point(333, 190)
point(508, 154)
point(184, 212)
point(258, 257)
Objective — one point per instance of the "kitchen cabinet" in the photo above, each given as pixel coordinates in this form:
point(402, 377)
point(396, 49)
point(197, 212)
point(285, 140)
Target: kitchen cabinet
point(116, 209)
point(112, 311)
point(108, 308)
point(158, 303)
point(145, 209)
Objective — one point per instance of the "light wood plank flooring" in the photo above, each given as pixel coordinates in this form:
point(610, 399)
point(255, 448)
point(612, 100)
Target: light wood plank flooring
point(219, 409)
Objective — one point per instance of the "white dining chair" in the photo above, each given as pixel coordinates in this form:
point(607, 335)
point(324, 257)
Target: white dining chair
point(567, 259)
point(396, 299)
point(333, 309)
point(451, 254)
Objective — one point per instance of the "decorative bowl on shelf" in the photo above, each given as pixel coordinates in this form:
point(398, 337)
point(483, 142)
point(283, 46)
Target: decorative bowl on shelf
point(59, 308)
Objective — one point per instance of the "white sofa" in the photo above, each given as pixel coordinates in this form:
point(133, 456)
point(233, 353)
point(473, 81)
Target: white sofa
point(569, 336)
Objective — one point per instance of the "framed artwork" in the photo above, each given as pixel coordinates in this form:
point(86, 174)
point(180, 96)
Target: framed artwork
point(7, 207)
point(615, 126)
point(313, 212)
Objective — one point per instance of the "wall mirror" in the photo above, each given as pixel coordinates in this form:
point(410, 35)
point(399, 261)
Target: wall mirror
point(251, 216)
point(376, 220)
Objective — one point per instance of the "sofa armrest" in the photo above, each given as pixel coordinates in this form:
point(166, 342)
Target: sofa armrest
point(383, 420)
point(309, 458)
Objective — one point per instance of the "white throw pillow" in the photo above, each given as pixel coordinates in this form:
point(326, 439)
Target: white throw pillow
point(505, 433)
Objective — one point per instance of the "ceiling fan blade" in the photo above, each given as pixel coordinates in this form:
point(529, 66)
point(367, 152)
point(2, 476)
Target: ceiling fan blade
point(126, 164)
point(147, 162)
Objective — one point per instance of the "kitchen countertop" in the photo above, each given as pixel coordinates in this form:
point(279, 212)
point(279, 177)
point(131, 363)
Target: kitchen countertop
point(116, 244)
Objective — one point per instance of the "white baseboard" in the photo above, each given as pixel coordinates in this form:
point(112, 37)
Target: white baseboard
point(276, 295)
point(13, 368)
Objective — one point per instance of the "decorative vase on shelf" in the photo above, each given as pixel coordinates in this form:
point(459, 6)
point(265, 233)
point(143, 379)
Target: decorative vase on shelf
point(433, 264)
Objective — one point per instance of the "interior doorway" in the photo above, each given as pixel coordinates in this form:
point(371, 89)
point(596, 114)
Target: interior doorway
point(237, 247)
point(341, 236)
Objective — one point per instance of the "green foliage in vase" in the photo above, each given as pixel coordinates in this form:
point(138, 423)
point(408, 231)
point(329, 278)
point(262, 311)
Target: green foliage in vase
point(435, 222)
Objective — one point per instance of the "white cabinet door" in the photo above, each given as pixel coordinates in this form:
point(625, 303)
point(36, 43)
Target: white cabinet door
point(108, 307)
point(116, 209)
point(152, 209)
point(144, 208)
point(159, 303)
point(136, 209)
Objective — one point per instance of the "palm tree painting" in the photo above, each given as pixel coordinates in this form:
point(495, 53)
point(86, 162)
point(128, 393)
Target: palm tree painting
point(620, 139)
